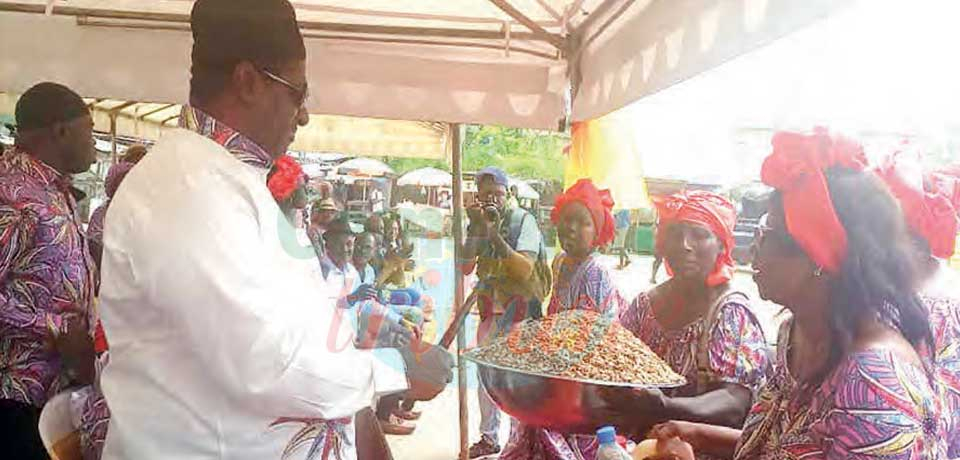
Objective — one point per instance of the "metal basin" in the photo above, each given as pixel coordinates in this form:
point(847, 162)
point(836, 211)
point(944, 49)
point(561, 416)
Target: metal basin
point(557, 403)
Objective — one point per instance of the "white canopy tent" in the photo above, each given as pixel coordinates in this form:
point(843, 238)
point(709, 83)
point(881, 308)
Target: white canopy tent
point(324, 133)
point(426, 177)
point(506, 62)
point(524, 190)
point(364, 167)
point(521, 63)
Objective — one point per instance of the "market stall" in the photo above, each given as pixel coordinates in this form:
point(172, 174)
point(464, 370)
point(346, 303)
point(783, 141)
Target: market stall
point(426, 177)
point(426, 186)
point(364, 185)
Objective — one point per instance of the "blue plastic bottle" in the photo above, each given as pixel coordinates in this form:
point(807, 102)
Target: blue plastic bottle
point(609, 449)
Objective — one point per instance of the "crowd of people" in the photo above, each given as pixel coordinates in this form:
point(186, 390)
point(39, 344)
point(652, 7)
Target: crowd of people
point(867, 365)
point(209, 310)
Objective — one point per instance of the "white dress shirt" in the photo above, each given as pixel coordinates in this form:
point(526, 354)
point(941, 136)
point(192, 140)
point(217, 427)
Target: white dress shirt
point(223, 345)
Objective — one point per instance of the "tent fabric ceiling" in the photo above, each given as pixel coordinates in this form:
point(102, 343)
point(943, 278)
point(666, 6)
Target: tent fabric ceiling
point(506, 62)
point(476, 14)
point(656, 44)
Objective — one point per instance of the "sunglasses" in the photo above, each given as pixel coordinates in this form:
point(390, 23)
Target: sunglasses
point(764, 233)
point(298, 94)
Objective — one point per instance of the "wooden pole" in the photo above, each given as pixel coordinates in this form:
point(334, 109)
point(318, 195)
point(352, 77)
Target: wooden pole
point(113, 138)
point(456, 159)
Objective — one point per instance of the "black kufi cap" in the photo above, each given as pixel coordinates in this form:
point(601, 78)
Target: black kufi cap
point(227, 32)
point(46, 104)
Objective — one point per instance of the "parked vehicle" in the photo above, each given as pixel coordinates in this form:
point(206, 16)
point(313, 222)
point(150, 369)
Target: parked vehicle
point(753, 205)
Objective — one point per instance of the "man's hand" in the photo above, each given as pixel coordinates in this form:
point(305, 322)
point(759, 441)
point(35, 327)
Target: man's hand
point(363, 292)
point(408, 334)
point(474, 212)
point(479, 226)
point(402, 339)
point(75, 347)
point(429, 370)
point(415, 331)
point(493, 227)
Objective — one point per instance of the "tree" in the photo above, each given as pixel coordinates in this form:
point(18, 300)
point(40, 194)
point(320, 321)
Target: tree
point(523, 153)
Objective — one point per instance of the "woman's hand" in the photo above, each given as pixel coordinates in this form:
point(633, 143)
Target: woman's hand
point(634, 399)
point(673, 449)
point(717, 441)
point(686, 431)
point(644, 398)
point(635, 409)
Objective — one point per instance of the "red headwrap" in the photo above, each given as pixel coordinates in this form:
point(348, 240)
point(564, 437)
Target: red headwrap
point(926, 201)
point(796, 169)
point(598, 202)
point(706, 209)
point(285, 178)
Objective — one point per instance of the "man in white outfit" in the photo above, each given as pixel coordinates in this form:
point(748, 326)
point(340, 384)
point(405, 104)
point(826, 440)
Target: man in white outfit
point(224, 345)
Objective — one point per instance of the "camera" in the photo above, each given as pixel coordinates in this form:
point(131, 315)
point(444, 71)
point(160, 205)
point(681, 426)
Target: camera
point(490, 211)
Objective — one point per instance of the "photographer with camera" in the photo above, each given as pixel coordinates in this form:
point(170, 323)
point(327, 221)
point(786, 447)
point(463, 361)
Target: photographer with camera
point(504, 244)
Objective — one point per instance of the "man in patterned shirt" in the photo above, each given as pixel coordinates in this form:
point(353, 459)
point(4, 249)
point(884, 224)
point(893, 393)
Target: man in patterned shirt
point(46, 274)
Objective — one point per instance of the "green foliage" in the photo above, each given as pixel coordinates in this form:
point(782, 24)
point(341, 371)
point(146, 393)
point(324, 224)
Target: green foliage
point(523, 153)
point(405, 165)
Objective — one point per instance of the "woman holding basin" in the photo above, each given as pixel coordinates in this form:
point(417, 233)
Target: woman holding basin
point(695, 322)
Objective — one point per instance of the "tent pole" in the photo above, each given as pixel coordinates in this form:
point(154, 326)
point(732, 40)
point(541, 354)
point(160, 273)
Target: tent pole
point(456, 160)
point(113, 138)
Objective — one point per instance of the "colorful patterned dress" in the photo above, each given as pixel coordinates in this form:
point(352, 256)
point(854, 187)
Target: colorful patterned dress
point(873, 406)
point(945, 323)
point(584, 286)
point(737, 350)
point(114, 176)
